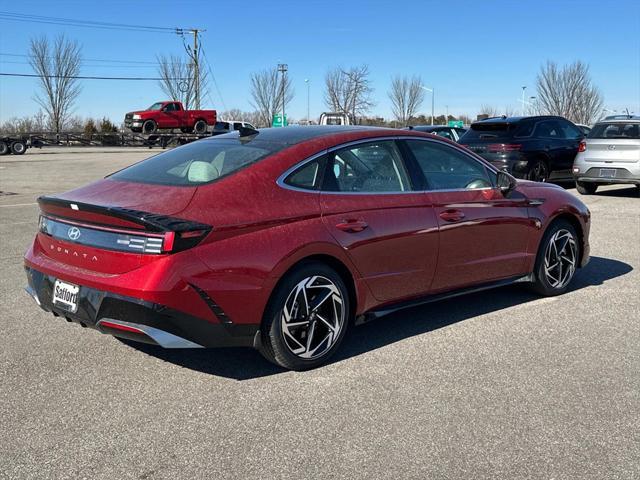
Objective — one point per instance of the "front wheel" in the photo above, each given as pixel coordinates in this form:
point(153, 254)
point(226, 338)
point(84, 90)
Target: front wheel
point(4, 148)
point(149, 126)
point(306, 319)
point(557, 259)
point(586, 188)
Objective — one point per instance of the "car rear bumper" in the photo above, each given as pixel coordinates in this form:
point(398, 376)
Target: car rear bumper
point(139, 320)
point(622, 175)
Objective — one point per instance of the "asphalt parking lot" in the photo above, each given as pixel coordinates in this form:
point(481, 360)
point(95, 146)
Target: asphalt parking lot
point(500, 384)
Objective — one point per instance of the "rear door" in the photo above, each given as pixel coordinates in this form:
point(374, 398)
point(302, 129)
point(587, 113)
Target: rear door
point(388, 230)
point(483, 235)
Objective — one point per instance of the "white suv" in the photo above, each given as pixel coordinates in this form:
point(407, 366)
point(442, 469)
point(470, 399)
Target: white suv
point(609, 155)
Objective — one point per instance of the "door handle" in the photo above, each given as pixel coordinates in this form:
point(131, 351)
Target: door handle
point(452, 215)
point(352, 225)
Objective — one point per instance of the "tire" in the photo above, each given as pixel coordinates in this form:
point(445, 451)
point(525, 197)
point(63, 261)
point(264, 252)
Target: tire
point(586, 188)
point(18, 148)
point(538, 171)
point(149, 127)
point(200, 127)
point(560, 238)
point(315, 337)
point(4, 148)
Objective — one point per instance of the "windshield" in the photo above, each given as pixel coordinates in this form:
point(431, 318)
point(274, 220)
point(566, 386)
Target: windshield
point(196, 163)
point(155, 106)
point(616, 130)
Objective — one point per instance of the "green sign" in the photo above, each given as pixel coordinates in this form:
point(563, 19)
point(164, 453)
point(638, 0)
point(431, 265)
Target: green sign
point(277, 121)
point(456, 123)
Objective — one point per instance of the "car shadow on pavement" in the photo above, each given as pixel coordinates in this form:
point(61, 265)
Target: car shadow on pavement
point(246, 363)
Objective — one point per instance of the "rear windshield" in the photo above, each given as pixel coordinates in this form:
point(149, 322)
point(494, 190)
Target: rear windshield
point(488, 131)
point(196, 163)
point(615, 130)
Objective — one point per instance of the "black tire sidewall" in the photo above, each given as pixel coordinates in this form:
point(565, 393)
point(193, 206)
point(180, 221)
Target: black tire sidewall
point(532, 167)
point(586, 188)
point(197, 130)
point(273, 346)
point(21, 148)
point(4, 148)
point(541, 285)
point(149, 122)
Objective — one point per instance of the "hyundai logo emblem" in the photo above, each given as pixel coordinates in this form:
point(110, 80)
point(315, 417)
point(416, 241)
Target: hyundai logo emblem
point(73, 233)
point(612, 147)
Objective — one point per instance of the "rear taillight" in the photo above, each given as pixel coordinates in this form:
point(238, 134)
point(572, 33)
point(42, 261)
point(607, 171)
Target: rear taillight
point(153, 243)
point(582, 147)
point(503, 147)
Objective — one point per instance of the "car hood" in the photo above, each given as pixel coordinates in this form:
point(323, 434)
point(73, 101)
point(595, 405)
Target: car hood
point(145, 197)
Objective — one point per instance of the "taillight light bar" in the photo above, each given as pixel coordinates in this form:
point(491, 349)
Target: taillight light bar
point(582, 147)
point(98, 236)
point(503, 147)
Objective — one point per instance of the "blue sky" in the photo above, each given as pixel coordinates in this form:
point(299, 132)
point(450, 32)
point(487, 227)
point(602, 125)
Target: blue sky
point(471, 52)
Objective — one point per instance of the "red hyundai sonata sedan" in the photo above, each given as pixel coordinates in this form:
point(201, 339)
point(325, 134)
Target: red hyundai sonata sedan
point(281, 239)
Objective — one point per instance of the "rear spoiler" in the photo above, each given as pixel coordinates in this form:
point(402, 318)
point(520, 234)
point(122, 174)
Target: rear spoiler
point(152, 222)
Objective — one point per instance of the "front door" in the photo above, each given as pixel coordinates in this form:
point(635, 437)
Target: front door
point(387, 229)
point(483, 235)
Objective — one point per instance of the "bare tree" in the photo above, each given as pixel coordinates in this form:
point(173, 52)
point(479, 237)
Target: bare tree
point(348, 91)
point(57, 66)
point(568, 91)
point(268, 91)
point(488, 110)
point(406, 97)
point(178, 79)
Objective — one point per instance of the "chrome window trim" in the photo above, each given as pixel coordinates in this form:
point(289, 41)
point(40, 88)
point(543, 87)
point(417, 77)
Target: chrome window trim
point(281, 179)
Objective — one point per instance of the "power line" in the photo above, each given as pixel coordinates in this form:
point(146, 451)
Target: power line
point(21, 17)
point(83, 77)
point(204, 55)
point(24, 55)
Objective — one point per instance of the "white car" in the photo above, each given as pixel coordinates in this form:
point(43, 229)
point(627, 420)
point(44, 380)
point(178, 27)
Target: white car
point(609, 155)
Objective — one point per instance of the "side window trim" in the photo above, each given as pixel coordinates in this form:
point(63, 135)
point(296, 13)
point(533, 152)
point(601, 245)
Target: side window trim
point(320, 157)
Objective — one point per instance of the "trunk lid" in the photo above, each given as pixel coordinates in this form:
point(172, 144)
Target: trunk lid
point(616, 150)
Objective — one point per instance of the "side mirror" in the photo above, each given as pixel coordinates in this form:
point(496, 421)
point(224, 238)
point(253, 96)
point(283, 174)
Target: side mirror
point(506, 183)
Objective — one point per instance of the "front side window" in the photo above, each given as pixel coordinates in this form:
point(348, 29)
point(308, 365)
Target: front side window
point(368, 167)
point(549, 129)
point(445, 168)
point(195, 163)
point(155, 106)
point(571, 131)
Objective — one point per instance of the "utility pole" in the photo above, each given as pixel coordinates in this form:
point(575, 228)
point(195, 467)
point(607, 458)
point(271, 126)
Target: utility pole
point(306, 80)
point(194, 55)
point(282, 68)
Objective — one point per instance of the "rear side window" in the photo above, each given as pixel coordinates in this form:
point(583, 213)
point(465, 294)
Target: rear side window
point(196, 163)
point(307, 176)
point(615, 130)
point(447, 169)
point(368, 167)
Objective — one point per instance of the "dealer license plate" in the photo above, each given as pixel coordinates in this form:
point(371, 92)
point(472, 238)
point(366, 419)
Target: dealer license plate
point(65, 296)
point(608, 172)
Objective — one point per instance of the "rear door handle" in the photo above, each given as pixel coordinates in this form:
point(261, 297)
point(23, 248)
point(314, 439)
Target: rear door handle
point(352, 225)
point(452, 215)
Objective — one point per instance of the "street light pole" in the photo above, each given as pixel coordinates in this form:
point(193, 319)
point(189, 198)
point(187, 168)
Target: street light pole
point(524, 87)
point(306, 80)
point(282, 68)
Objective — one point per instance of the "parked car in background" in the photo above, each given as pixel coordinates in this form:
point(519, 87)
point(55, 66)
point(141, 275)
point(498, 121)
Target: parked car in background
point(452, 133)
point(334, 118)
point(226, 126)
point(609, 155)
point(283, 239)
point(583, 128)
point(539, 148)
point(169, 115)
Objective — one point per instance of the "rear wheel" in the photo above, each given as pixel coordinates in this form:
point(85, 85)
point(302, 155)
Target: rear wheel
point(200, 126)
point(18, 148)
point(4, 148)
point(586, 188)
point(557, 259)
point(306, 319)
point(538, 171)
point(149, 126)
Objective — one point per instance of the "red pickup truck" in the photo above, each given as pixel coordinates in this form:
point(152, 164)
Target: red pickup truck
point(169, 115)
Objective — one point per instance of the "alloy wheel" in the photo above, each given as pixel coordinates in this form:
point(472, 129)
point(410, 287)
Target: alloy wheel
point(313, 317)
point(539, 172)
point(560, 259)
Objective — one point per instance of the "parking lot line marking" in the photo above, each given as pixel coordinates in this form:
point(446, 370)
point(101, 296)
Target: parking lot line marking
point(19, 204)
